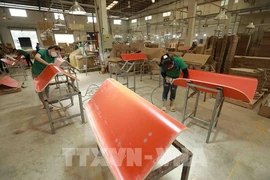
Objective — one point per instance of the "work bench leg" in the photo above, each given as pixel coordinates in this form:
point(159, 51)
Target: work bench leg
point(219, 111)
point(197, 102)
point(186, 168)
point(185, 105)
point(49, 116)
point(213, 117)
point(81, 106)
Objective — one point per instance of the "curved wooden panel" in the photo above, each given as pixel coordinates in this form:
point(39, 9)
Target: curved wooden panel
point(47, 75)
point(122, 122)
point(236, 87)
point(8, 81)
point(9, 62)
point(133, 57)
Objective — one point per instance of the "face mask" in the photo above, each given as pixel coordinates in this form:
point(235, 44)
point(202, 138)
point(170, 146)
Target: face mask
point(53, 54)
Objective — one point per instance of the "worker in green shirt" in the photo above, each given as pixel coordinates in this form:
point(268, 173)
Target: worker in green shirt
point(171, 68)
point(21, 52)
point(76, 46)
point(43, 58)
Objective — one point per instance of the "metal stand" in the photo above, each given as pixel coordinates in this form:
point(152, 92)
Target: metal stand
point(125, 72)
point(71, 91)
point(18, 69)
point(142, 69)
point(185, 158)
point(217, 107)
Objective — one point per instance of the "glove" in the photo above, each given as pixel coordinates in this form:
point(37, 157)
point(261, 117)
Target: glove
point(169, 79)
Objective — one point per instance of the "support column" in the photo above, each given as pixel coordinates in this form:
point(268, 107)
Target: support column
point(102, 20)
point(229, 14)
point(192, 7)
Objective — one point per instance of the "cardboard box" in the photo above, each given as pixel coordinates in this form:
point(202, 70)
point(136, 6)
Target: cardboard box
point(264, 108)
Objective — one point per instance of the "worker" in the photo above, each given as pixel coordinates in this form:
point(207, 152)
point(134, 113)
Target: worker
point(43, 58)
point(1, 63)
point(171, 68)
point(21, 52)
point(37, 47)
point(77, 46)
point(81, 44)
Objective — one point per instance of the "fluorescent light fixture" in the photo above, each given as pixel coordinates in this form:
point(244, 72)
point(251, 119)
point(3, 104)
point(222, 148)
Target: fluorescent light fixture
point(112, 5)
point(196, 34)
point(153, 1)
point(133, 20)
point(148, 18)
point(117, 21)
point(204, 35)
point(166, 14)
point(17, 12)
point(76, 9)
point(174, 36)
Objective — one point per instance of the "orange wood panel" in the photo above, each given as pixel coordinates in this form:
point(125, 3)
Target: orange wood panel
point(8, 81)
point(236, 87)
point(47, 75)
point(122, 119)
point(134, 57)
point(9, 62)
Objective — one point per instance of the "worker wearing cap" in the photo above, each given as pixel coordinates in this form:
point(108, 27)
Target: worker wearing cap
point(44, 58)
point(171, 68)
point(25, 54)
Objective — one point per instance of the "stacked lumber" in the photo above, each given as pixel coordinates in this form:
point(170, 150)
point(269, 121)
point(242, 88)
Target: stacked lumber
point(254, 63)
point(263, 50)
point(233, 41)
point(243, 45)
point(259, 74)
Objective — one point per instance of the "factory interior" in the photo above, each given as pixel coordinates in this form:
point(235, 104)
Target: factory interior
point(135, 89)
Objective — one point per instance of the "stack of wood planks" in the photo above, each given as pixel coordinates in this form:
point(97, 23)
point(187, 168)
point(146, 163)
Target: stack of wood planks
point(263, 50)
point(258, 63)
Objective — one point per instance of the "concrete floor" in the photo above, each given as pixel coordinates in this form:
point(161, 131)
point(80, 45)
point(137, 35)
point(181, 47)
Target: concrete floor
point(239, 147)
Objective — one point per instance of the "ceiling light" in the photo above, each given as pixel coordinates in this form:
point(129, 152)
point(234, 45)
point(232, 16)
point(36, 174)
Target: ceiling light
point(221, 15)
point(196, 34)
point(204, 35)
point(55, 28)
point(114, 2)
point(174, 23)
point(217, 29)
point(108, 8)
point(129, 4)
point(76, 9)
point(153, 1)
point(250, 26)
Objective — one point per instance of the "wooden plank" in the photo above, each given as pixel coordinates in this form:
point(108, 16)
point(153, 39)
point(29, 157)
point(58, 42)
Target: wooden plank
point(243, 45)
point(250, 105)
point(7, 90)
point(231, 52)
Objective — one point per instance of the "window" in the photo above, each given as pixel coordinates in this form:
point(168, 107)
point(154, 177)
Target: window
point(64, 38)
point(18, 33)
point(133, 20)
point(18, 12)
point(148, 18)
point(224, 2)
point(90, 19)
point(56, 15)
point(166, 14)
point(117, 21)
